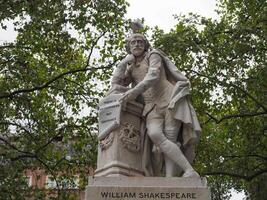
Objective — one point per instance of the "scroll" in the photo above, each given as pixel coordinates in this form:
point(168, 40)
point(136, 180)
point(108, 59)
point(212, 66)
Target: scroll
point(109, 115)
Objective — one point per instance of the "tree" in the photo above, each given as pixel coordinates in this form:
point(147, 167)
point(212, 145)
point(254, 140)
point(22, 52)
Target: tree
point(225, 61)
point(49, 88)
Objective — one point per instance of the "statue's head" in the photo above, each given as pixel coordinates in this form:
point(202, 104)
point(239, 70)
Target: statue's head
point(137, 44)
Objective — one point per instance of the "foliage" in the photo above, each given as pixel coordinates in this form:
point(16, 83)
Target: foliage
point(49, 87)
point(225, 61)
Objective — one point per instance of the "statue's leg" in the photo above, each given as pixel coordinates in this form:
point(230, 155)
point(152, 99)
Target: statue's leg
point(155, 125)
point(174, 153)
point(171, 130)
point(170, 165)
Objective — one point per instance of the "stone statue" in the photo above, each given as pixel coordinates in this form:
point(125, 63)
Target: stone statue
point(147, 129)
point(170, 120)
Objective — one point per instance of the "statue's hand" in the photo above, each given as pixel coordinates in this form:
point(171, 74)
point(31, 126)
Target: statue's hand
point(128, 96)
point(128, 59)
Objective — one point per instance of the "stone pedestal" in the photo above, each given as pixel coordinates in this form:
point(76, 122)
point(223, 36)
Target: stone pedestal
point(120, 153)
point(147, 188)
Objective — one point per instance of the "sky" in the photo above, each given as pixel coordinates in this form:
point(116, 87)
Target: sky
point(160, 13)
point(155, 12)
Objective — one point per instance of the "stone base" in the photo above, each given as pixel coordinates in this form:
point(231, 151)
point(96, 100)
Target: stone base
point(146, 188)
point(118, 169)
point(120, 153)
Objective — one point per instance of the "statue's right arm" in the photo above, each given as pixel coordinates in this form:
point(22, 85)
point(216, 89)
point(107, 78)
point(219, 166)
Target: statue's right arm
point(121, 76)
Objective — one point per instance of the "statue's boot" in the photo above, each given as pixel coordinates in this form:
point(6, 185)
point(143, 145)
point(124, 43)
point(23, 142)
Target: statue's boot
point(173, 152)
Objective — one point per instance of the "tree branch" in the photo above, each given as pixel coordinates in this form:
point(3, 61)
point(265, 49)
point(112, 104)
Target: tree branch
point(52, 173)
point(215, 80)
point(51, 139)
point(9, 46)
point(45, 85)
point(243, 156)
point(15, 148)
point(73, 93)
point(19, 157)
point(17, 125)
point(92, 48)
point(240, 176)
point(241, 115)
point(31, 155)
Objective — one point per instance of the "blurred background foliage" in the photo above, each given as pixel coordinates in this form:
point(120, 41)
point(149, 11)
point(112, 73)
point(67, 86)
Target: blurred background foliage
point(53, 74)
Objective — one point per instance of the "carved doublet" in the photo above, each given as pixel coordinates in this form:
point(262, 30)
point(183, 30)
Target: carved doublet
point(160, 92)
point(139, 71)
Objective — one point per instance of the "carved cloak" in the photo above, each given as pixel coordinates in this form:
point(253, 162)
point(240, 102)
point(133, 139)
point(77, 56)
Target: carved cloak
point(183, 111)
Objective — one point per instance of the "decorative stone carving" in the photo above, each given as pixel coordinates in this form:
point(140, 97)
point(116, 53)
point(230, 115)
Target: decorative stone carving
point(119, 152)
point(107, 142)
point(130, 137)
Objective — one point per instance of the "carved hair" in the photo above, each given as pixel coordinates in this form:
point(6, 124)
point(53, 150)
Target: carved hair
point(129, 39)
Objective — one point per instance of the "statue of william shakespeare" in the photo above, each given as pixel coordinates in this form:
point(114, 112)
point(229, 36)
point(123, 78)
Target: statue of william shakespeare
point(169, 120)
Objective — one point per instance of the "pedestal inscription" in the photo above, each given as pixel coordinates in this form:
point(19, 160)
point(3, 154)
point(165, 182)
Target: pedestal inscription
point(109, 115)
point(148, 188)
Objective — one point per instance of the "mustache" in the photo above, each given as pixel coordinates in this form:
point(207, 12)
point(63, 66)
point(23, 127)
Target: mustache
point(137, 48)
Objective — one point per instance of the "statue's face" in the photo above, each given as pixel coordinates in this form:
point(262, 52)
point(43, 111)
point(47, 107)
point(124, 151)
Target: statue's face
point(137, 46)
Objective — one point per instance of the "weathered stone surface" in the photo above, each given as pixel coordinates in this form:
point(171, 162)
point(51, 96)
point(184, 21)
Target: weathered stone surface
point(109, 115)
point(170, 119)
point(120, 152)
point(146, 188)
